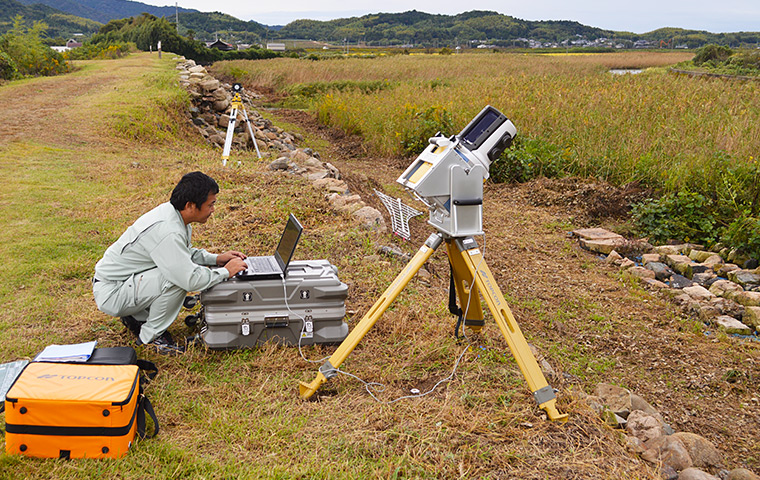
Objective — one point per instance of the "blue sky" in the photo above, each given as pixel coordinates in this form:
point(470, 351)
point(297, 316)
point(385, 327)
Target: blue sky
point(637, 16)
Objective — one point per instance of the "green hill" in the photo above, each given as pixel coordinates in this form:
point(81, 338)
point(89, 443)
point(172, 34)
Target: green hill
point(59, 24)
point(104, 10)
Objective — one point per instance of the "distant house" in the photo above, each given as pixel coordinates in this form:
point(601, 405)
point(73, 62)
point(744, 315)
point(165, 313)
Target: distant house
point(73, 43)
point(220, 45)
point(276, 47)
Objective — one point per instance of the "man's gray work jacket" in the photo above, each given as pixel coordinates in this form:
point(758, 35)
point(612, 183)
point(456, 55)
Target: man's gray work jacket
point(160, 239)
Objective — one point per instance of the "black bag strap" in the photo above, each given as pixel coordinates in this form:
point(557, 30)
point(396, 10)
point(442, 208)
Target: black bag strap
point(149, 368)
point(144, 406)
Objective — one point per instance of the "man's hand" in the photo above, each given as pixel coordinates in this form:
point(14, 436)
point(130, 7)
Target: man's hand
point(223, 258)
point(235, 265)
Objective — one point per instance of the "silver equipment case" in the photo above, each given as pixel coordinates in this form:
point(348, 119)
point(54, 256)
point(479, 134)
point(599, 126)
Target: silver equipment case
point(245, 313)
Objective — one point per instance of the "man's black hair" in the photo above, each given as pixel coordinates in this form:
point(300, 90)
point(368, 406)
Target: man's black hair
point(194, 187)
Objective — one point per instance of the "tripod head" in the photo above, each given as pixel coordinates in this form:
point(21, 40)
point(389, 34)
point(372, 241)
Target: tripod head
point(448, 175)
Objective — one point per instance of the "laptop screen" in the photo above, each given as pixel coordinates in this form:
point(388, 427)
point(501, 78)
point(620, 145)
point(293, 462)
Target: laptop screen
point(288, 242)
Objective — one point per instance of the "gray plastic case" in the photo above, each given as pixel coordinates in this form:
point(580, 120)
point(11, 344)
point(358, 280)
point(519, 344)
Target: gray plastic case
point(245, 313)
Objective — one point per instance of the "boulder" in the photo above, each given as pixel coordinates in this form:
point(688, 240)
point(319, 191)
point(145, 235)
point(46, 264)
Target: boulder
point(650, 257)
point(731, 325)
point(279, 164)
point(751, 317)
point(614, 258)
point(667, 450)
point(662, 272)
point(705, 279)
point(702, 452)
point(332, 185)
point(640, 272)
point(722, 287)
point(370, 218)
point(748, 299)
point(700, 255)
point(599, 240)
point(698, 292)
point(679, 281)
point(617, 399)
point(644, 426)
point(744, 277)
point(713, 261)
point(695, 474)
point(742, 474)
point(726, 268)
point(627, 263)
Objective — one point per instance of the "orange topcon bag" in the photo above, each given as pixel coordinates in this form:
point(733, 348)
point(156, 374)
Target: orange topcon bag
point(74, 410)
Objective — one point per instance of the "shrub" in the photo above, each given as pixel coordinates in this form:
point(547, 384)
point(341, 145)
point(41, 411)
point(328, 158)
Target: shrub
point(712, 52)
point(8, 68)
point(529, 158)
point(684, 216)
point(421, 125)
point(30, 55)
point(744, 233)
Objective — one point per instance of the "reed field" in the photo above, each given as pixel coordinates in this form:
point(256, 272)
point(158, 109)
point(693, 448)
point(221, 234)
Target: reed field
point(653, 127)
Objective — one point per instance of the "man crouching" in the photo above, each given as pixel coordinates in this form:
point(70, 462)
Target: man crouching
point(144, 277)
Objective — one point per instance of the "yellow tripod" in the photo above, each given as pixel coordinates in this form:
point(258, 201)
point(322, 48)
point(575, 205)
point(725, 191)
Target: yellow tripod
point(471, 277)
point(237, 106)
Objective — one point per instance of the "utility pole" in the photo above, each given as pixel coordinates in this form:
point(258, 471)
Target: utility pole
point(176, 15)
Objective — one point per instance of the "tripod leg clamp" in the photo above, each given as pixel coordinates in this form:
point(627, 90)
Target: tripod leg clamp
point(328, 370)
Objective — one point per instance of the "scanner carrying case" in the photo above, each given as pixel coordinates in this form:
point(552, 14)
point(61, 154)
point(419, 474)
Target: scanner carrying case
point(309, 309)
point(75, 410)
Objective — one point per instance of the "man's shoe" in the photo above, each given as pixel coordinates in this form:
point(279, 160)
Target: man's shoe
point(132, 325)
point(164, 345)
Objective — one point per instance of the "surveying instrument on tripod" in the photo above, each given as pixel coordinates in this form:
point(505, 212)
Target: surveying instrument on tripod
point(237, 108)
point(448, 177)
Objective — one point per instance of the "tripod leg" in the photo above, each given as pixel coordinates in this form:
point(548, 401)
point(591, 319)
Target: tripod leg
point(467, 253)
point(328, 369)
point(467, 291)
point(250, 131)
point(228, 138)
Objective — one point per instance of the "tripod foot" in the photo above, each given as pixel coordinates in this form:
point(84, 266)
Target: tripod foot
point(551, 410)
point(306, 390)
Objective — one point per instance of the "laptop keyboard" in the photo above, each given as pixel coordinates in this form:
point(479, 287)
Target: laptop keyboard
point(261, 264)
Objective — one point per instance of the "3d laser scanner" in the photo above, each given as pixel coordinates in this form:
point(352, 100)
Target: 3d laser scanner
point(448, 175)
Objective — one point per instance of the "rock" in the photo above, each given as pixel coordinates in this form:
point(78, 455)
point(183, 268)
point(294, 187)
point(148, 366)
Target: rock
point(654, 283)
point(612, 419)
point(650, 257)
point(744, 277)
point(634, 445)
point(617, 399)
point(702, 452)
point(216, 139)
point(737, 256)
point(751, 317)
point(707, 313)
point(669, 451)
point(332, 185)
point(221, 105)
point(595, 403)
point(705, 279)
point(627, 263)
point(722, 287)
point(728, 307)
point(638, 403)
point(731, 325)
point(700, 255)
point(728, 267)
point(679, 281)
point(662, 271)
point(751, 264)
point(742, 474)
point(599, 240)
point(279, 164)
point(640, 272)
point(209, 85)
point(667, 473)
point(695, 474)
point(370, 218)
point(614, 258)
point(644, 426)
point(748, 299)
point(698, 292)
point(670, 249)
point(713, 261)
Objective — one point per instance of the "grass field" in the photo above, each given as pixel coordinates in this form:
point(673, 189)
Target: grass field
point(86, 153)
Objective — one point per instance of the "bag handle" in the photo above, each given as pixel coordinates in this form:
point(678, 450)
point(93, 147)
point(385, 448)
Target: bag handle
point(144, 406)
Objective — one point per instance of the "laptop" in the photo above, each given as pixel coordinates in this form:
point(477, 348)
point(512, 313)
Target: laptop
point(272, 266)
